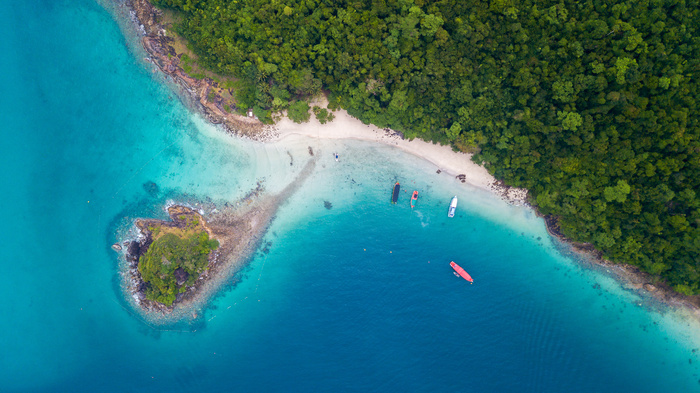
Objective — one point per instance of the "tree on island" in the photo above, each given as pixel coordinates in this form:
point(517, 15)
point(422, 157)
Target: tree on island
point(173, 263)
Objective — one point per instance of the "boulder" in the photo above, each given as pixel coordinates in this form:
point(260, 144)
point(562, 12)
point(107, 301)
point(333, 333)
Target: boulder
point(181, 276)
point(116, 247)
point(132, 252)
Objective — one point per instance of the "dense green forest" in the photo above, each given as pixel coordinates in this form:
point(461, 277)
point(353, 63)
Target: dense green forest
point(591, 104)
point(170, 259)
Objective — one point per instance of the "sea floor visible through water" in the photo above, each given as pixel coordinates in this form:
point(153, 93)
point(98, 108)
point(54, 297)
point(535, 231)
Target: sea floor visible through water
point(347, 292)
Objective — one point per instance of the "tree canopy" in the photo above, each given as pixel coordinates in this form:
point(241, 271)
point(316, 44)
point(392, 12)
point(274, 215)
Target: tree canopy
point(170, 259)
point(592, 105)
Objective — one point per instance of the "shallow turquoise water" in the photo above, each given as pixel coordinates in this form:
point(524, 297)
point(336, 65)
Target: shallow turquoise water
point(355, 298)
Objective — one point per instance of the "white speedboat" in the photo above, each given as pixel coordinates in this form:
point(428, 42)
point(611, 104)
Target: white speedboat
point(453, 207)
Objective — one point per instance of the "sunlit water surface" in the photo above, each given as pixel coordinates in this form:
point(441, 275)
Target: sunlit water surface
point(358, 297)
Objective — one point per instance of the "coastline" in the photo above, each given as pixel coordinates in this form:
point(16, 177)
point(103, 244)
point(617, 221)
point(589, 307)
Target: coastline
point(203, 95)
point(198, 94)
point(456, 164)
point(630, 277)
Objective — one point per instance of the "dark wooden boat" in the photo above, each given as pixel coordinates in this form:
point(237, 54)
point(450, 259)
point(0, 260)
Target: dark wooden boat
point(395, 194)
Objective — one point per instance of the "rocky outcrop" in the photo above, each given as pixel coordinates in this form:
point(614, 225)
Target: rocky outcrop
point(133, 252)
point(181, 276)
point(204, 94)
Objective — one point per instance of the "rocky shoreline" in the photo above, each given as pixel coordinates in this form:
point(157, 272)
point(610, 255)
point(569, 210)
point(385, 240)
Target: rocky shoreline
point(630, 276)
point(204, 94)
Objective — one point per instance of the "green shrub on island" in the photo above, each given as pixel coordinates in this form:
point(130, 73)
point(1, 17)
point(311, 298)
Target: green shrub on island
point(591, 105)
point(171, 264)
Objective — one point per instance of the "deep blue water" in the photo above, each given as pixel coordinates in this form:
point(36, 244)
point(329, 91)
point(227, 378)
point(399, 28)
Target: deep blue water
point(355, 298)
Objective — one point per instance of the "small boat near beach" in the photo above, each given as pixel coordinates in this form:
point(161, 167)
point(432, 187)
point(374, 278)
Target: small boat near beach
point(395, 194)
point(453, 207)
point(461, 272)
point(414, 198)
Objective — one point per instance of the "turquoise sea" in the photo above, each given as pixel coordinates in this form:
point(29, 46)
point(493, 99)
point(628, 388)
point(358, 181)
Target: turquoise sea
point(359, 297)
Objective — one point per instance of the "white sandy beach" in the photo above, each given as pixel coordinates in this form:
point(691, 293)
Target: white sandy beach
point(444, 158)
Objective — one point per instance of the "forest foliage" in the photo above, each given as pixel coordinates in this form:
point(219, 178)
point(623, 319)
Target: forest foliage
point(171, 258)
point(590, 104)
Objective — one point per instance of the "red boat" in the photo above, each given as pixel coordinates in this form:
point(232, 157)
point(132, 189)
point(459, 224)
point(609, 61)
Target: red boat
point(461, 272)
point(414, 198)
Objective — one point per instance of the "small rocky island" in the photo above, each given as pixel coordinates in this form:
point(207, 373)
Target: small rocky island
point(173, 267)
point(169, 258)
